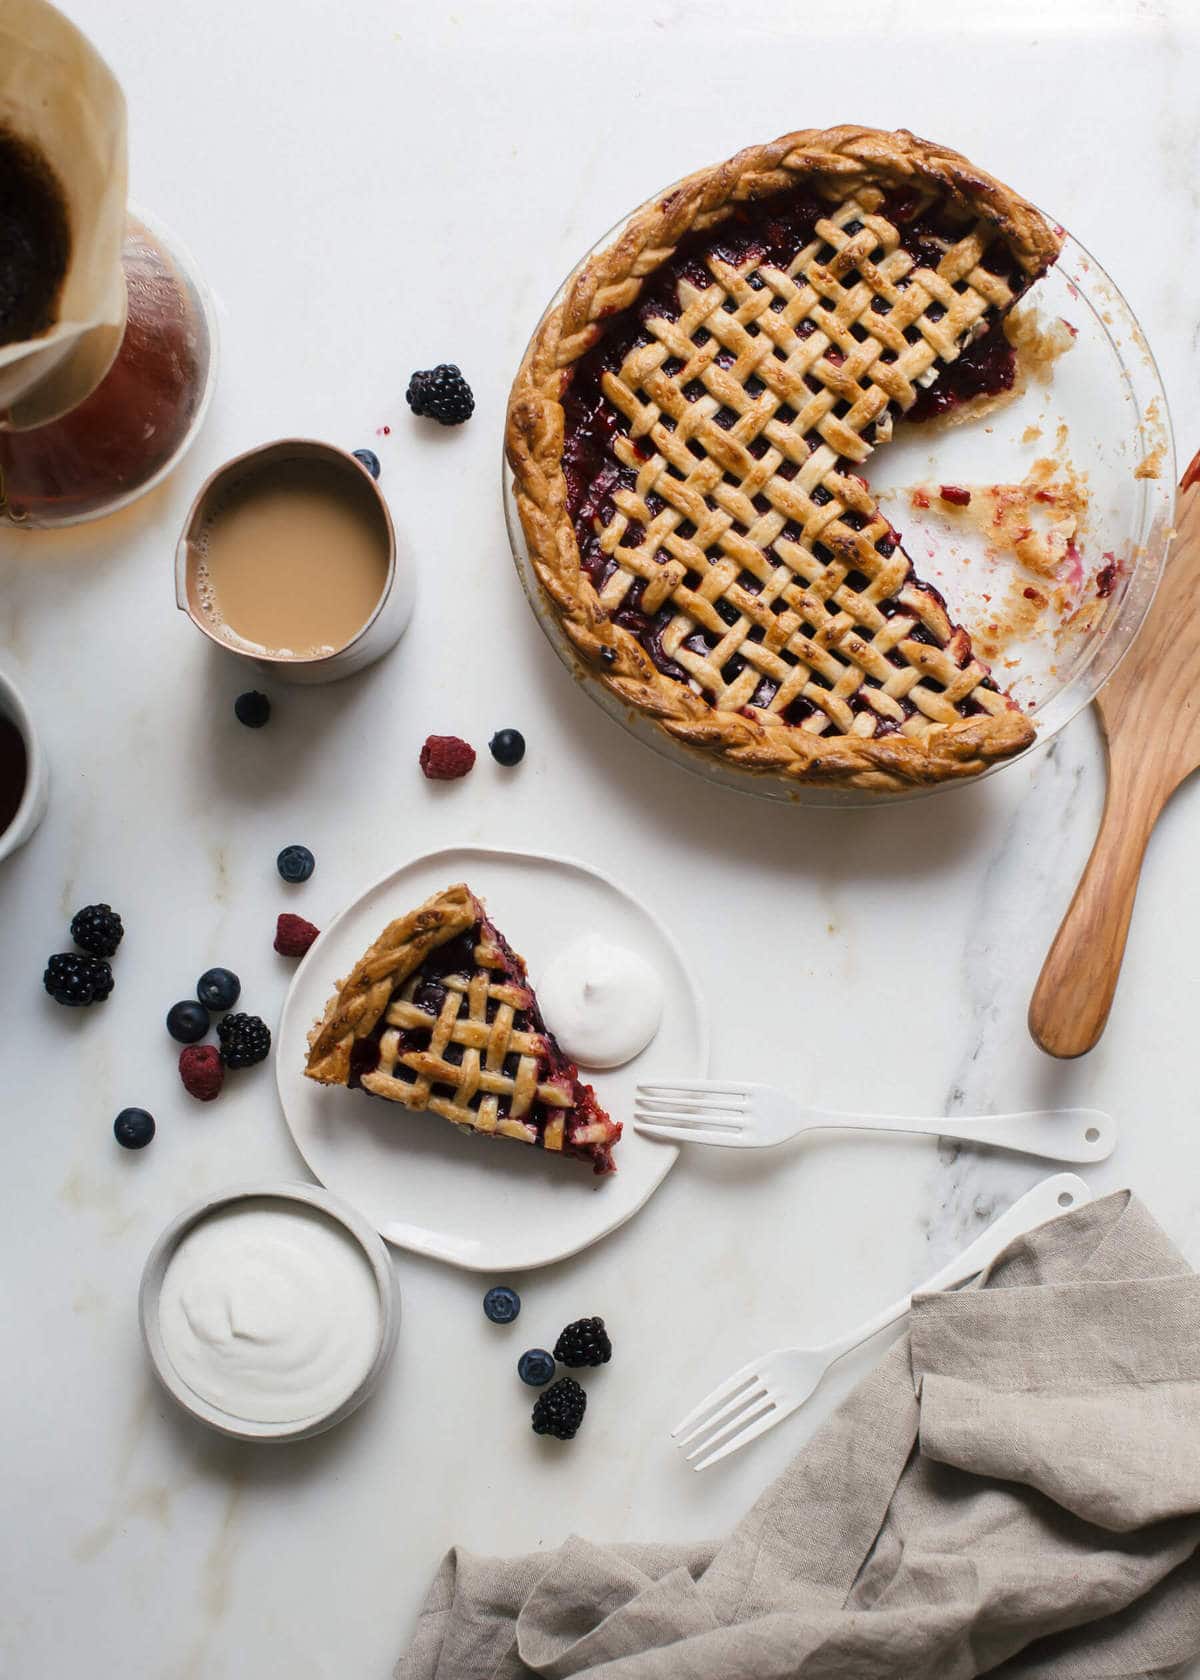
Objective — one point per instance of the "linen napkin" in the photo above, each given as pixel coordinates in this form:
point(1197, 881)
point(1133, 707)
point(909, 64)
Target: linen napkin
point(1014, 1490)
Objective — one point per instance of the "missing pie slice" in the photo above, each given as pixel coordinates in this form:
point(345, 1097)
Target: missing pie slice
point(687, 434)
point(439, 1015)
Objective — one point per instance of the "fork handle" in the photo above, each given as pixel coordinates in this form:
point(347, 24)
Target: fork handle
point(1062, 1134)
point(1047, 1200)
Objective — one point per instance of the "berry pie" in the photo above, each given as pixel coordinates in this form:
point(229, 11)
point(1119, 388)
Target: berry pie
point(687, 433)
point(439, 1015)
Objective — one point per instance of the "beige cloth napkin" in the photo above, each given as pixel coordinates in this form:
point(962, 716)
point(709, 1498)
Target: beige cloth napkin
point(1014, 1489)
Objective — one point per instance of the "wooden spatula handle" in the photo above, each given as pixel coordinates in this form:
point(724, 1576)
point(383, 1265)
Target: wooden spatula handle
point(1075, 990)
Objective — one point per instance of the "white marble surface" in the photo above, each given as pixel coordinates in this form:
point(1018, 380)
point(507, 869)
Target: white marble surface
point(369, 189)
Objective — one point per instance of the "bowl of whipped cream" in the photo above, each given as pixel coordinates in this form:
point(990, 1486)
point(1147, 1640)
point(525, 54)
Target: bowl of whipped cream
point(269, 1312)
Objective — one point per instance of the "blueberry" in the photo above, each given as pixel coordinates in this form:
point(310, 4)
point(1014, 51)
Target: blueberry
point(133, 1128)
point(369, 460)
point(252, 708)
point(508, 746)
point(218, 988)
point(187, 1021)
point(501, 1304)
point(535, 1367)
point(295, 863)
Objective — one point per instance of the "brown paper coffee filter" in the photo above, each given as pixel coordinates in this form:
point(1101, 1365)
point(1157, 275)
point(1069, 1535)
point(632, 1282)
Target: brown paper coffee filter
point(58, 95)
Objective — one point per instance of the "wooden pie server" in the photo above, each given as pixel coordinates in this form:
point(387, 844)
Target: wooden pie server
point(1151, 722)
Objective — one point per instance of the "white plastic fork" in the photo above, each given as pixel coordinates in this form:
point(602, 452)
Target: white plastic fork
point(728, 1115)
point(770, 1389)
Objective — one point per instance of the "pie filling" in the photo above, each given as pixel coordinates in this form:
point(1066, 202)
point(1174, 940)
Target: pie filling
point(462, 1036)
point(712, 436)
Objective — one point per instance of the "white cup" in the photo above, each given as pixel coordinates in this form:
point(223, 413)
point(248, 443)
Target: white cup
point(386, 624)
point(33, 802)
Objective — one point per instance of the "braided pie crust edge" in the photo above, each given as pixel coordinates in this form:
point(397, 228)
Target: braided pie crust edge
point(836, 162)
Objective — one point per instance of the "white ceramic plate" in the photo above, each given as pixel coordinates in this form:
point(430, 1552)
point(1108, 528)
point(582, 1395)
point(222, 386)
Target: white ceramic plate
point(477, 1202)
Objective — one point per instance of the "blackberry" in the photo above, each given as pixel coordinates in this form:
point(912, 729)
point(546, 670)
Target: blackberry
point(441, 394)
point(559, 1409)
point(77, 981)
point(245, 1040)
point(583, 1343)
point(97, 929)
point(252, 708)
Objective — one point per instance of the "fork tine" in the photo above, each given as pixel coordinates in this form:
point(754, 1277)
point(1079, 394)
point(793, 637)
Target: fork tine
point(693, 1088)
point(749, 1432)
point(693, 1105)
point(684, 1134)
point(680, 1117)
point(725, 1391)
point(731, 1416)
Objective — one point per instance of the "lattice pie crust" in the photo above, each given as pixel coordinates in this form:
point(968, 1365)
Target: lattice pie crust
point(788, 631)
point(460, 1037)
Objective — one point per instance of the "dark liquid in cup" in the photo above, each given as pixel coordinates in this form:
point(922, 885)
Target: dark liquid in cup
point(35, 240)
point(14, 771)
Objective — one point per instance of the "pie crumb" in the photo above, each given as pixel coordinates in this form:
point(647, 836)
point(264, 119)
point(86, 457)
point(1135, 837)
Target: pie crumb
point(1032, 530)
point(1039, 343)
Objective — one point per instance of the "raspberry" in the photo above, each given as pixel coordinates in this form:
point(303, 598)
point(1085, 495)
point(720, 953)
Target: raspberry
point(293, 935)
point(444, 758)
point(955, 495)
point(202, 1072)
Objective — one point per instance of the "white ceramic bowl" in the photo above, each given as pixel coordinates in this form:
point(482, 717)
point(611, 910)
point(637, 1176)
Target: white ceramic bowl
point(229, 1423)
point(33, 804)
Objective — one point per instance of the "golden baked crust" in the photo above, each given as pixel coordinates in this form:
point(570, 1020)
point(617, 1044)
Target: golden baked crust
point(918, 677)
point(461, 1037)
point(361, 998)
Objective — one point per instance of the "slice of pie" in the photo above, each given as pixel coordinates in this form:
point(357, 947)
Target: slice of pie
point(439, 1015)
point(687, 432)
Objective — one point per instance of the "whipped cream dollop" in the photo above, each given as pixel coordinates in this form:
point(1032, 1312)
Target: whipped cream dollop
point(270, 1310)
point(602, 1002)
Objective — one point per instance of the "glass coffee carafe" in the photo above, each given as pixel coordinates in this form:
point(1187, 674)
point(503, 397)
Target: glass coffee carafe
point(107, 336)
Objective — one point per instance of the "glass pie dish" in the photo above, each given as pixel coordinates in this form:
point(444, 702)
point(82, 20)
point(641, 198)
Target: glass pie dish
point(1088, 435)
